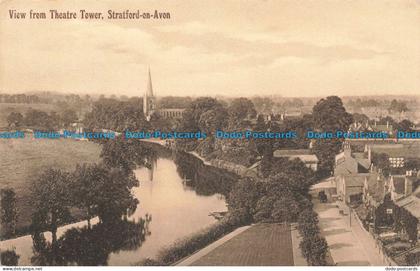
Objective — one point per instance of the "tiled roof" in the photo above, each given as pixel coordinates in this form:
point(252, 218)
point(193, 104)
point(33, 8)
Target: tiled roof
point(411, 204)
point(281, 153)
point(355, 180)
point(302, 154)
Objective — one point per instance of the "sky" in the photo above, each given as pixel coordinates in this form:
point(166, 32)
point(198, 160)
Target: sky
point(216, 47)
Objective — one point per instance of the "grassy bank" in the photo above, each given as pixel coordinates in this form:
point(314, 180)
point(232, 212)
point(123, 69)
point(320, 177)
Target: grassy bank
point(188, 246)
point(22, 160)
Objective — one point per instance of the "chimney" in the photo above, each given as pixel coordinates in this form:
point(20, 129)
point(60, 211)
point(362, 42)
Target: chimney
point(369, 154)
point(372, 168)
point(347, 149)
point(408, 185)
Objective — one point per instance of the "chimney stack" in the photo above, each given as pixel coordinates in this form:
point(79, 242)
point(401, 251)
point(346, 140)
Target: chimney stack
point(408, 185)
point(347, 149)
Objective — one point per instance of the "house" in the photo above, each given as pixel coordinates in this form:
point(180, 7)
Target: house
point(374, 189)
point(360, 127)
point(401, 186)
point(350, 187)
point(388, 128)
point(348, 163)
point(350, 172)
point(310, 160)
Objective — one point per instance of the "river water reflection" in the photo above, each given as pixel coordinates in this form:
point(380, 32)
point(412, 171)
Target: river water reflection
point(177, 194)
point(175, 208)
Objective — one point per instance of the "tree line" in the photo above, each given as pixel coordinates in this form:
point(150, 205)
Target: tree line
point(282, 197)
point(40, 120)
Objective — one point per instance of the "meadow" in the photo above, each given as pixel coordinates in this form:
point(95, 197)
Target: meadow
point(22, 160)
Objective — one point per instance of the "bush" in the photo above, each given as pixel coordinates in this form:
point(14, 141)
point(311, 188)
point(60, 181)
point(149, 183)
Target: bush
point(413, 259)
point(9, 258)
point(314, 249)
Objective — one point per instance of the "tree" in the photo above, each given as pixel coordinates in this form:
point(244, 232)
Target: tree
point(264, 146)
point(266, 164)
point(239, 110)
point(263, 104)
point(9, 258)
point(301, 126)
point(264, 208)
point(8, 210)
point(85, 185)
point(125, 154)
point(330, 115)
point(361, 118)
point(41, 120)
point(116, 115)
point(405, 126)
point(204, 113)
point(116, 199)
point(15, 119)
point(192, 115)
point(285, 209)
point(397, 106)
point(381, 160)
point(52, 201)
point(174, 102)
point(245, 195)
point(212, 120)
point(68, 117)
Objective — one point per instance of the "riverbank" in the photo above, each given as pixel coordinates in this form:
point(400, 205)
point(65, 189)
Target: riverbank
point(187, 246)
point(221, 164)
point(27, 158)
point(178, 209)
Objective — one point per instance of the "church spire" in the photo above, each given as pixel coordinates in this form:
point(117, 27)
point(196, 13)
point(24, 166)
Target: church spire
point(149, 86)
point(148, 99)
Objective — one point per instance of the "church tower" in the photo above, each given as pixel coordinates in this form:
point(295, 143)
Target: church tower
point(148, 99)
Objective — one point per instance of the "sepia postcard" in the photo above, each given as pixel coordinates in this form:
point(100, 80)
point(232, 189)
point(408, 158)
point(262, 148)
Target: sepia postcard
point(140, 133)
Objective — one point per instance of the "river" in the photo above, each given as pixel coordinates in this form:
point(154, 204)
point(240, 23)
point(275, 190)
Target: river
point(177, 195)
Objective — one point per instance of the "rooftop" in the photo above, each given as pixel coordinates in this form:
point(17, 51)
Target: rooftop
point(302, 154)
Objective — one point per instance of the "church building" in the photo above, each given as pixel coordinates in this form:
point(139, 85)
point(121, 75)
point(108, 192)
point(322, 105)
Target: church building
point(149, 104)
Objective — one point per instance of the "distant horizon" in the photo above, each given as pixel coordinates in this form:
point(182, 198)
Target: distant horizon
point(107, 95)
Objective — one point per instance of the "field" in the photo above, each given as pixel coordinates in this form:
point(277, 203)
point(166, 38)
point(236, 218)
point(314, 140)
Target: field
point(22, 160)
point(7, 108)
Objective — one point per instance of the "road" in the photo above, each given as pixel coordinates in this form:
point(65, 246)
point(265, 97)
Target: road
point(348, 245)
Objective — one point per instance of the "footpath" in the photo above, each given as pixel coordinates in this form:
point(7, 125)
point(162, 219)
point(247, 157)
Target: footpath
point(349, 245)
